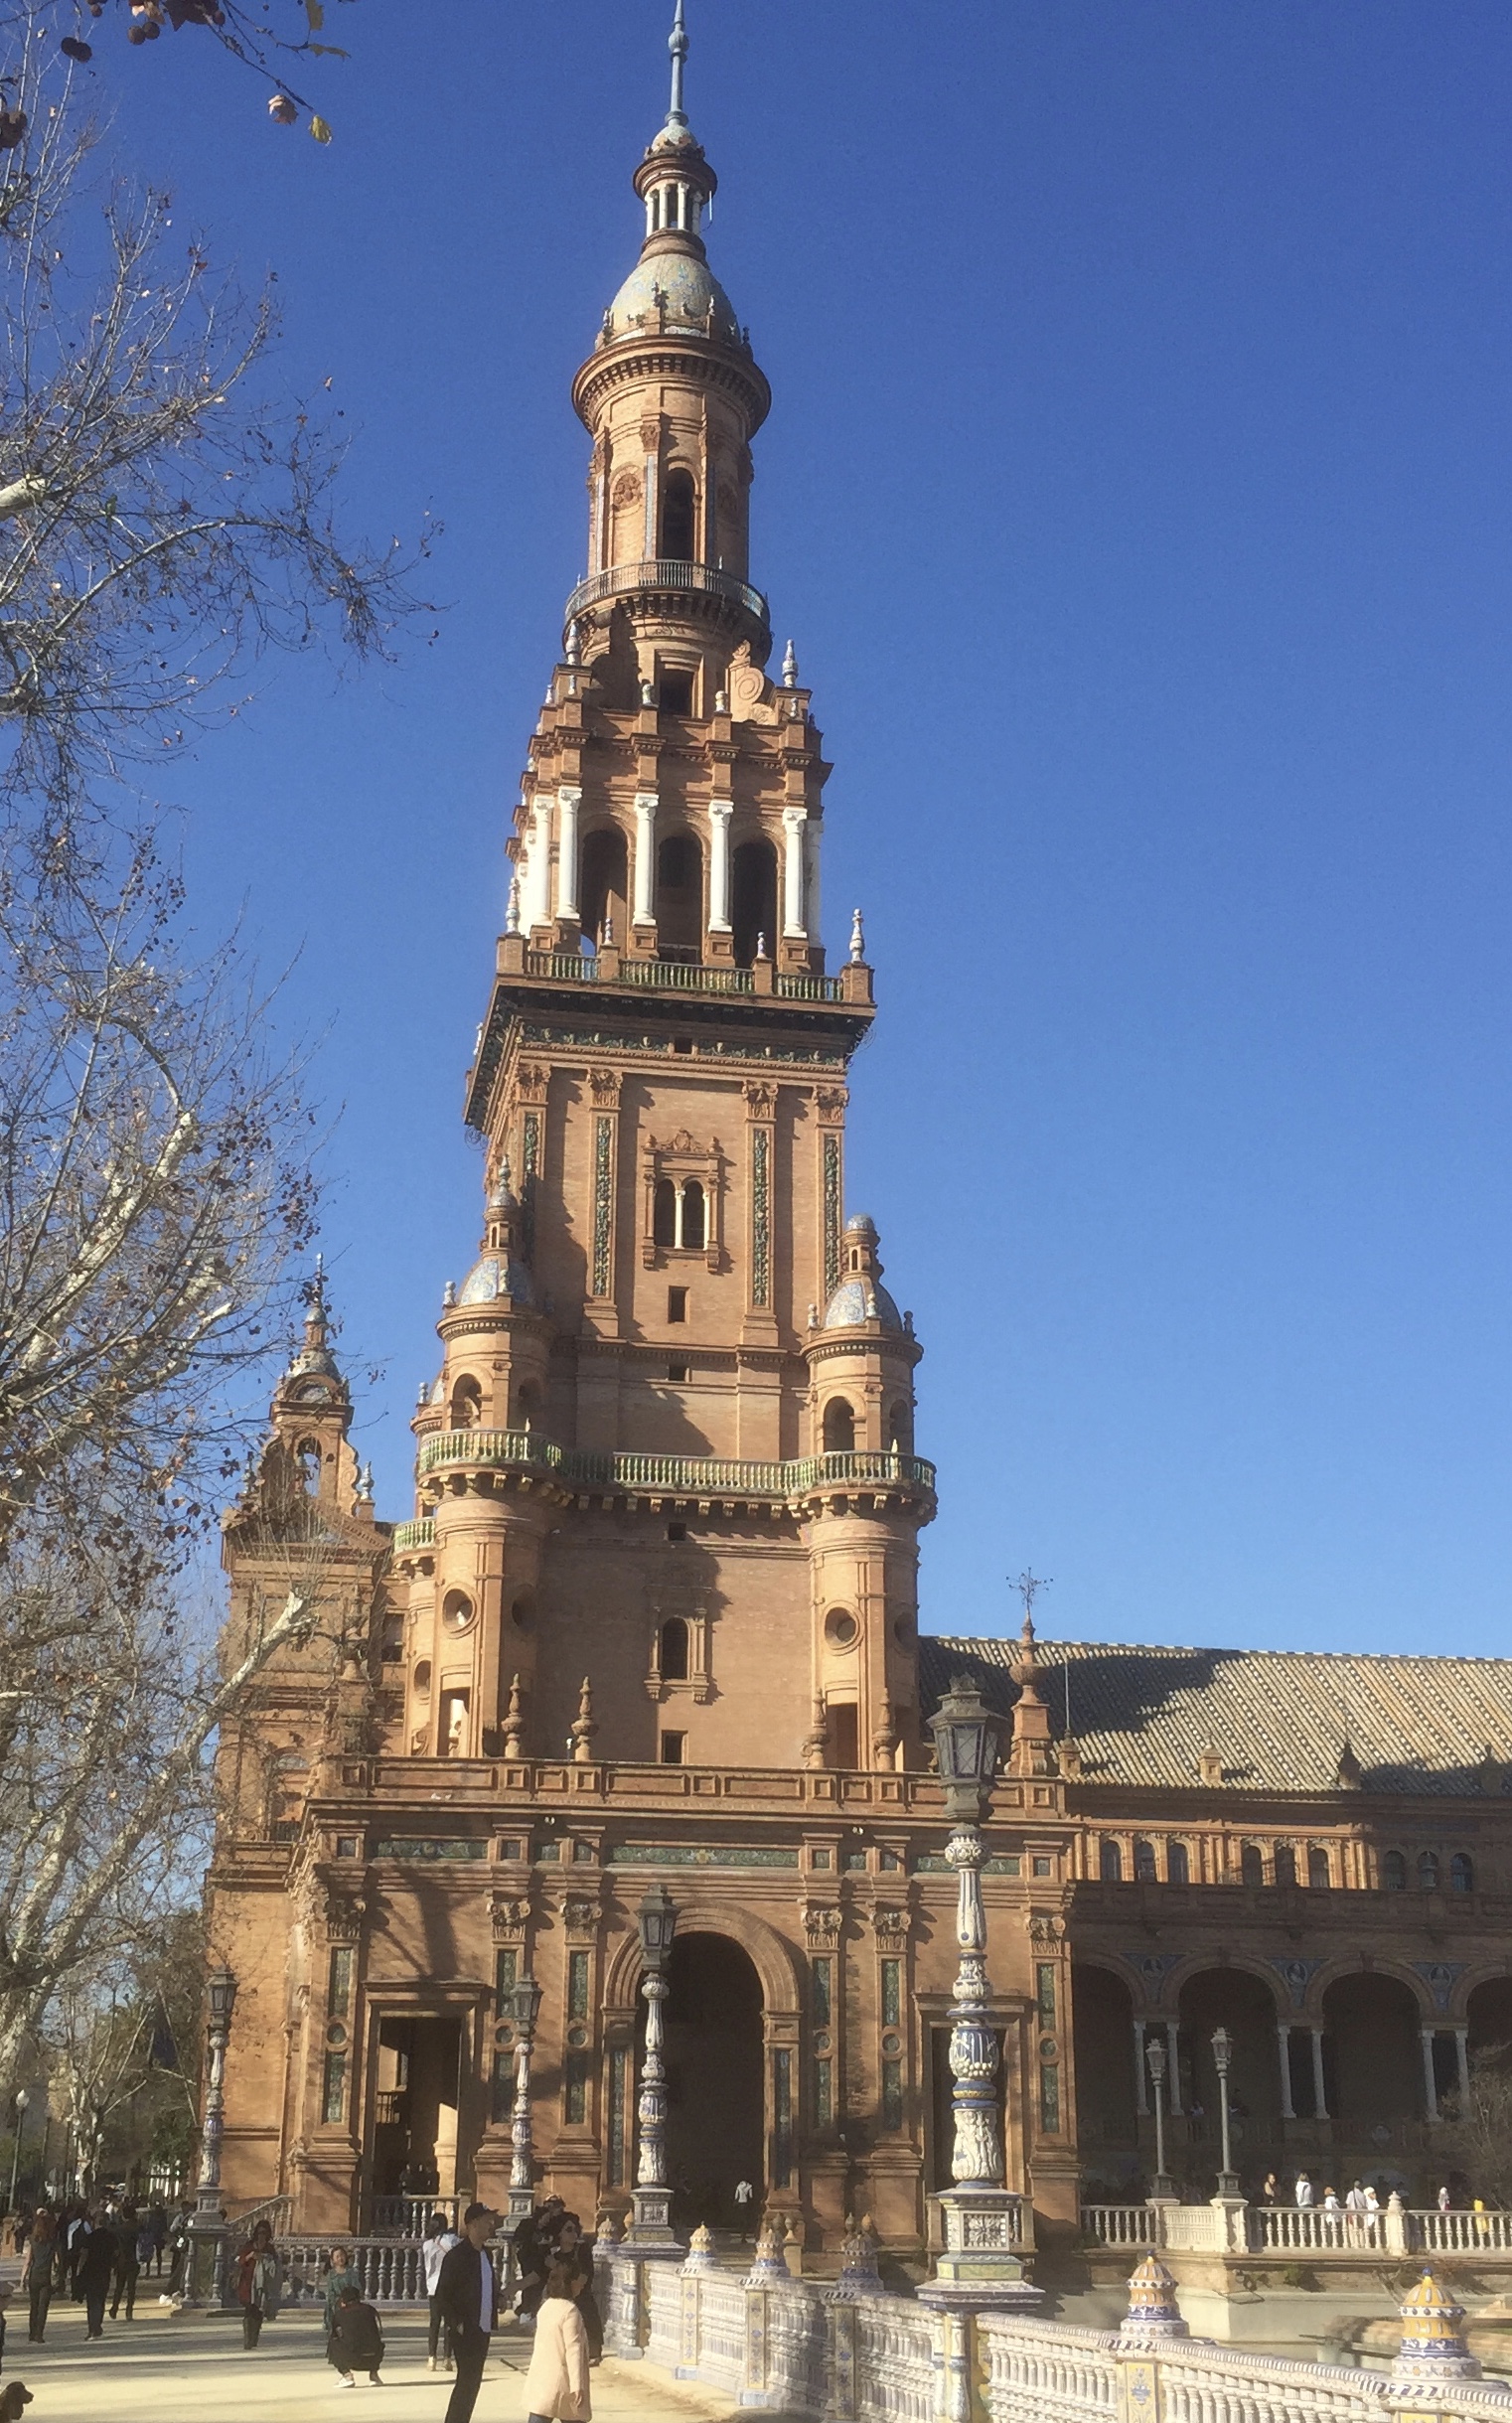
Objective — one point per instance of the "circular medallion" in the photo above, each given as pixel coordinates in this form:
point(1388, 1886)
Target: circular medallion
point(336, 2033)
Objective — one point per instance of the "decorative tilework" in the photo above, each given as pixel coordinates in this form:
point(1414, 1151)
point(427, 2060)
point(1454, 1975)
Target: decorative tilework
point(701, 1855)
point(831, 1215)
point(429, 1847)
point(603, 1200)
point(761, 1216)
point(530, 1171)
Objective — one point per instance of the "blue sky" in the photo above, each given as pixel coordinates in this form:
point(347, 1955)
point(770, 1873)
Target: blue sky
point(1136, 495)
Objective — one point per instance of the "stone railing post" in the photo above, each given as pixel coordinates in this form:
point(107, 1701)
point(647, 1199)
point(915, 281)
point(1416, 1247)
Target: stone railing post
point(1395, 2218)
point(954, 2364)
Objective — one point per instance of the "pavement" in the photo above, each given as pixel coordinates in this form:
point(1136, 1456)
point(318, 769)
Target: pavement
point(167, 2367)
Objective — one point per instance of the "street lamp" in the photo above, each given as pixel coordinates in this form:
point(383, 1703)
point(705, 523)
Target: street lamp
point(1223, 2055)
point(657, 1921)
point(525, 2009)
point(980, 2219)
point(206, 2269)
point(22, 2099)
point(1154, 2055)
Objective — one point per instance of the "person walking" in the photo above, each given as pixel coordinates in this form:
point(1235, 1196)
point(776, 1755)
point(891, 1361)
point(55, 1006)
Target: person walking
point(1303, 2191)
point(178, 2242)
point(338, 2278)
point(436, 2246)
point(356, 2340)
point(39, 2271)
point(157, 2227)
point(468, 2290)
point(1446, 2201)
point(97, 2270)
point(576, 2251)
point(557, 2385)
point(257, 2283)
point(128, 2263)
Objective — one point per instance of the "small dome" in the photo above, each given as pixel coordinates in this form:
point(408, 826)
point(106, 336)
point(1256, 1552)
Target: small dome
point(490, 1280)
point(688, 285)
point(860, 1299)
point(862, 1224)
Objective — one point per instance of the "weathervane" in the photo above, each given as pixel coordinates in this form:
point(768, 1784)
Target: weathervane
point(1028, 1584)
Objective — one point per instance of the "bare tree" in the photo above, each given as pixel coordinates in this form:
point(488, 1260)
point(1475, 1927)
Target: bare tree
point(165, 516)
point(266, 40)
point(1479, 2130)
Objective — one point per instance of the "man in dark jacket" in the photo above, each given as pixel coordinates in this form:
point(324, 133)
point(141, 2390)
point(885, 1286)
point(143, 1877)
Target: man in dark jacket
point(467, 2292)
point(95, 2271)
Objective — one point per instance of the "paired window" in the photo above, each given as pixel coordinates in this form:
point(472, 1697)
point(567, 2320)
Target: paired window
point(679, 1220)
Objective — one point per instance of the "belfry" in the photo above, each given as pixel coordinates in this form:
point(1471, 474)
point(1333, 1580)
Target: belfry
point(644, 1653)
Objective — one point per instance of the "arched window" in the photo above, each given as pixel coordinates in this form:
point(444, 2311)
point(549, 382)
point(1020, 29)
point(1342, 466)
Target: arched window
point(679, 518)
point(526, 1406)
point(1286, 1864)
point(1428, 1871)
point(663, 1217)
point(308, 1455)
point(1178, 1865)
point(1317, 1866)
point(1462, 1873)
point(1110, 1862)
point(422, 1679)
point(692, 1214)
point(900, 1428)
point(839, 1428)
point(680, 898)
point(1145, 1863)
point(753, 900)
point(672, 1650)
point(466, 1405)
point(1251, 1866)
point(1394, 1873)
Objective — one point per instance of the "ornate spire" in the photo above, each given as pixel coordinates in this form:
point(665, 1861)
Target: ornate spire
point(584, 1726)
point(676, 44)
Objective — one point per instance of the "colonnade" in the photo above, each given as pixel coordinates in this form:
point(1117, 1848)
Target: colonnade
point(1285, 2030)
point(799, 864)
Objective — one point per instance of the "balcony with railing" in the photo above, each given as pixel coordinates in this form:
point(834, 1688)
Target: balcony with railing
point(664, 576)
point(694, 1477)
point(675, 976)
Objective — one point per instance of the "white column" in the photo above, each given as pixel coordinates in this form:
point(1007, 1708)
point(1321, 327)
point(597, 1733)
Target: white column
point(720, 815)
point(645, 857)
point(1430, 2091)
point(1462, 2061)
point(539, 867)
point(811, 918)
point(569, 800)
point(1141, 2095)
point(1173, 2066)
point(793, 820)
point(1319, 2098)
point(1284, 2052)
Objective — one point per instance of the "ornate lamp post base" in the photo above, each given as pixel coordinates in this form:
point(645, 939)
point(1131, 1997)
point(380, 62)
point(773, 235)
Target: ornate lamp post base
point(979, 2264)
point(652, 2224)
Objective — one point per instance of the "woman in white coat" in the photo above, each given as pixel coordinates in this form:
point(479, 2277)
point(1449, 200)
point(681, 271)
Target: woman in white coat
point(557, 2385)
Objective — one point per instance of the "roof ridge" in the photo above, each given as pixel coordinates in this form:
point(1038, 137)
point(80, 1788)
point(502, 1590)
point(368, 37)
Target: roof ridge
point(1175, 1648)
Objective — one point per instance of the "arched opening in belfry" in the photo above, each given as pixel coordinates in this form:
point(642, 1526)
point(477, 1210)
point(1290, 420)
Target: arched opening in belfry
point(900, 1428)
point(753, 900)
point(839, 1428)
point(1106, 2124)
point(601, 886)
point(680, 898)
point(680, 519)
point(715, 2087)
point(466, 1405)
point(307, 1456)
point(1373, 2059)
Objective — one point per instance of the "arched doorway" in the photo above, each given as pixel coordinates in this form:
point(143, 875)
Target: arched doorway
point(1107, 2123)
point(1245, 2006)
point(1489, 2012)
point(716, 2099)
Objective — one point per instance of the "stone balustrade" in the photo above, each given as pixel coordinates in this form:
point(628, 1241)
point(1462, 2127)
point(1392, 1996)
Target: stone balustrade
point(848, 2351)
point(1230, 2228)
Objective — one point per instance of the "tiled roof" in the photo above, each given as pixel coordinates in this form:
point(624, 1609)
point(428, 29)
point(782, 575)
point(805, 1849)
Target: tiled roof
point(1277, 1718)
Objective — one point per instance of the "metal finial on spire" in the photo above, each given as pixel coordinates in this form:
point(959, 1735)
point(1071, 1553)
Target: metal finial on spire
point(676, 43)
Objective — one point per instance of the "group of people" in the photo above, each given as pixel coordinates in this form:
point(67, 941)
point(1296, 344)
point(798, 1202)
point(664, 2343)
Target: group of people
point(97, 2252)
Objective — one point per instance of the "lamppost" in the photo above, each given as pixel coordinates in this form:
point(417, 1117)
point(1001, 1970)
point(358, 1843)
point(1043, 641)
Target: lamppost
point(977, 2264)
point(22, 2099)
point(1223, 2055)
point(525, 2007)
point(205, 2279)
point(656, 1919)
point(1154, 2055)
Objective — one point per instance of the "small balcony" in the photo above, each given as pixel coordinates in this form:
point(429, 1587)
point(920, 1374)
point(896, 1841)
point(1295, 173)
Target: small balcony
point(704, 1478)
